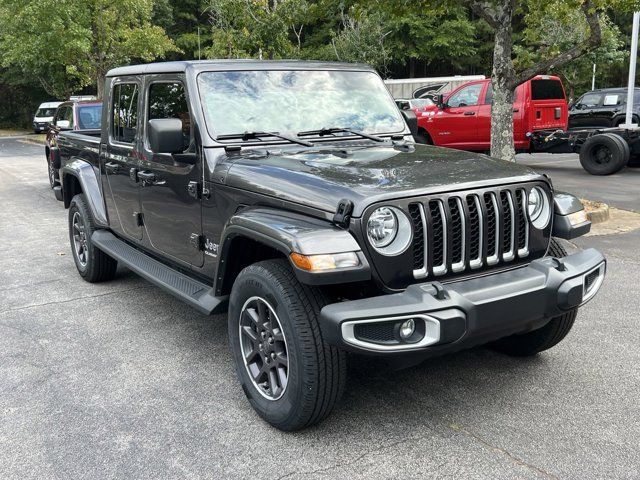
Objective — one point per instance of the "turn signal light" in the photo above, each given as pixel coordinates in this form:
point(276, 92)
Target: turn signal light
point(320, 263)
point(578, 217)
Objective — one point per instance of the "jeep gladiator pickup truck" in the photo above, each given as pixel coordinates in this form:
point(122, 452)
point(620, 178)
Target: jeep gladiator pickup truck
point(291, 194)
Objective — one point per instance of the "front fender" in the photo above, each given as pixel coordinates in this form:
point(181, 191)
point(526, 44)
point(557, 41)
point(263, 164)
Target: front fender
point(83, 173)
point(289, 233)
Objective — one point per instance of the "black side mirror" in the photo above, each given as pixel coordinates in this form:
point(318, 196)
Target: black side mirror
point(412, 121)
point(165, 135)
point(439, 101)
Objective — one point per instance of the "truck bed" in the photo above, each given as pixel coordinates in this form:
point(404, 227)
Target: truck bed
point(84, 144)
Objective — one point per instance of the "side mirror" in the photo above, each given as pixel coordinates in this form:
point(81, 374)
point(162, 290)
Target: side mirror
point(439, 101)
point(165, 135)
point(412, 121)
point(63, 124)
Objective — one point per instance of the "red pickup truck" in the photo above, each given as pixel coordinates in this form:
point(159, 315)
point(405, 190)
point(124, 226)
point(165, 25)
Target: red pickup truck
point(463, 120)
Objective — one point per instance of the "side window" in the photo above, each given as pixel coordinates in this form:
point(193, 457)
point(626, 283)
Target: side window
point(466, 97)
point(125, 112)
point(488, 98)
point(590, 100)
point(168, 100)
point(612, 99)
point(68, 116)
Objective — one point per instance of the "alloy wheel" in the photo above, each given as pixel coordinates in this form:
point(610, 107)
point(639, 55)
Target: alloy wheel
point(264, 348)
point(79, 238)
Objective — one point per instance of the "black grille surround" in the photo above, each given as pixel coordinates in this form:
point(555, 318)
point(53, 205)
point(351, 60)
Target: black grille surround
point(462, 234)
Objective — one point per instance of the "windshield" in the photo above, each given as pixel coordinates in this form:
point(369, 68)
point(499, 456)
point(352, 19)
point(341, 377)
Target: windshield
point(89, 116)
point(45, 112)
point(293, 101)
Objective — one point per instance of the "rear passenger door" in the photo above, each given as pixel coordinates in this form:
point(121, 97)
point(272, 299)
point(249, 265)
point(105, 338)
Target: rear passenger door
point(171, 183)
point(121, 158)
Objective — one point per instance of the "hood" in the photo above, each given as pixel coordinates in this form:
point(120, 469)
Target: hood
point(320, 178)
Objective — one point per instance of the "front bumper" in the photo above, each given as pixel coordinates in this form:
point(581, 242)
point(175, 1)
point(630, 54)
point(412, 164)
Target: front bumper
point(465, 313)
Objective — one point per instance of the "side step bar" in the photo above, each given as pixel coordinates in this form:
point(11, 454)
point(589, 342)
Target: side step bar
point(197, 294)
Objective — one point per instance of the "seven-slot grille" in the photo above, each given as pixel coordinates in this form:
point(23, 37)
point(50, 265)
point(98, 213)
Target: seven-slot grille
point(469, 231)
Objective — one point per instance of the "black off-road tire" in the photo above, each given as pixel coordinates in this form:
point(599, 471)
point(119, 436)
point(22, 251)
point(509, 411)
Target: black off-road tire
point(95, 266)
point(52, 172)
point(543, 338)
point(316, 370)
point(604, 154)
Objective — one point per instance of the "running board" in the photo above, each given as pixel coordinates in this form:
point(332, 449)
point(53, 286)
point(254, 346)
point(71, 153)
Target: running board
point(197, 294)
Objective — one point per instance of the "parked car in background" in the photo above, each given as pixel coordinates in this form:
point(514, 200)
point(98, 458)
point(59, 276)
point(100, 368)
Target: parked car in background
point(463, 118)
point(415, 104)
point(605, 107)
point(71, 115)
point(44, 116)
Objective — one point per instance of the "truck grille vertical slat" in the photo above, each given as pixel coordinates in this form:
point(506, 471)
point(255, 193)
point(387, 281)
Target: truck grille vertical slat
point(508, 232)
point(469, 231)
point(475, 231)
point(492, 228)
point(458, 234)
point(523, 223)
point(439, 236)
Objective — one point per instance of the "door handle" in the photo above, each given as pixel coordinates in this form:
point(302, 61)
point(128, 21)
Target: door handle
point(469, 113)
point(149, 178)
point(516, 110)
point(111, 167)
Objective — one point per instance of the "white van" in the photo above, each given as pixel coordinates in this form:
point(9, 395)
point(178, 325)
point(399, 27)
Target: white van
point(44, 116)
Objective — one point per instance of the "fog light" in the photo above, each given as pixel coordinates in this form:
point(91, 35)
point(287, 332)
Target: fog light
point(407, 328)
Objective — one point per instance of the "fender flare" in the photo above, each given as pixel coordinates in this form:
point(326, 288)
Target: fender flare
point(85, 174)
point(565, 204)
point(289, 232)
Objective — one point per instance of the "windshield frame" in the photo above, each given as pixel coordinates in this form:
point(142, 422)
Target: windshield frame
point(314, 138)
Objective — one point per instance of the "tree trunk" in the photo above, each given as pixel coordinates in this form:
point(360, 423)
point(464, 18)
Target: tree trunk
point(502, 80)
point(100, 79)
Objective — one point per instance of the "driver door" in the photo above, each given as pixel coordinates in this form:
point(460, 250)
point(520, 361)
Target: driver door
point(458, 120)
point(170, 183)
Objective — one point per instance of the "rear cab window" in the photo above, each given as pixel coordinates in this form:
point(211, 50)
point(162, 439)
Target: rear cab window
point(124, 117)
point(546, 89)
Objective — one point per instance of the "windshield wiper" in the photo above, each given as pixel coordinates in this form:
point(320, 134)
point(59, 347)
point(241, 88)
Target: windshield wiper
point(330, 131)
point(255, 135)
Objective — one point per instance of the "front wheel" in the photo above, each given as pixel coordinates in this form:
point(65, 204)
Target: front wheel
point(290, 375)
point(543, 338)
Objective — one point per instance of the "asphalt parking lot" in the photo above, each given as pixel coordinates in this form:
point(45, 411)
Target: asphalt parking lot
point(120, 380)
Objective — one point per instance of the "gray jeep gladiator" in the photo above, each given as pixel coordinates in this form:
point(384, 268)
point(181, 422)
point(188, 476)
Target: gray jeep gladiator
point(292, 195)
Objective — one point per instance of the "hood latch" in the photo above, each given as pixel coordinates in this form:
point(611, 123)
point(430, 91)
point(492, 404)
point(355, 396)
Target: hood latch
point(343, 213)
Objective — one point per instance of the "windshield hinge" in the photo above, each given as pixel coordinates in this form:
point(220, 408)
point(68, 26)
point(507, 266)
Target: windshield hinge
point(343, 213)
point(196, 190)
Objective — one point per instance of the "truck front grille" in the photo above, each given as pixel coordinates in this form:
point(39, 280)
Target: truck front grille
point(468, 231)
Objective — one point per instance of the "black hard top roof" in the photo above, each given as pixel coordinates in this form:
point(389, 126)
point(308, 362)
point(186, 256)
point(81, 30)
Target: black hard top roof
point(235, 64)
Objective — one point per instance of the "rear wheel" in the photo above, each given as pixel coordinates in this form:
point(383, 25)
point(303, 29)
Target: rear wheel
point(544, 338)
point(604, 154)
point(290, 375)
point(92, 263)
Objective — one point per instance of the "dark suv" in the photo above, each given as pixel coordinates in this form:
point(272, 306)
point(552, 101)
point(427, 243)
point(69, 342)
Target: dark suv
point(603, 108)
point(291, 194)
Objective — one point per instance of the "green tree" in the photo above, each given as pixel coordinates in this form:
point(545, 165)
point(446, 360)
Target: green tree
point(541, 22)
point(68, 44)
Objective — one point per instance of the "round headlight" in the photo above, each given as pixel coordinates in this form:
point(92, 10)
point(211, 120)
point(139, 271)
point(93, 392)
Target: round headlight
point(389, 230)
point(382, 227)
point(539, 208)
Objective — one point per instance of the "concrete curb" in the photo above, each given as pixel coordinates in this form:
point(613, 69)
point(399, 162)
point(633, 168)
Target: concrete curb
point(597, 212)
